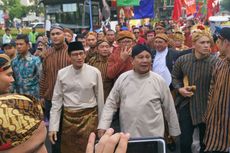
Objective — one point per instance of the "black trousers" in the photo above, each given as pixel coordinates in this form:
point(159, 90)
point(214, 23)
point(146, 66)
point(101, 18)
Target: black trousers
point(56, 148)
point(187, 129)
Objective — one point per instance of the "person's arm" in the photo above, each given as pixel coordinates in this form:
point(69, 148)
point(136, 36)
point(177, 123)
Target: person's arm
point(109, 143)
point(4, 39)
point(169, 109)
point(177, 74)
point(115, 65)
point(213, 80)
point(99, 92)
point(38, 68)
point(34, 144)
point(14, 84)
point(55, 112)
point(43, 81)
point(177, 79)
point(111, 106)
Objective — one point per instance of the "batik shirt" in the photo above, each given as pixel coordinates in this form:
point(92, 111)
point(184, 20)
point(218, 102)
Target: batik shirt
point(26, 74)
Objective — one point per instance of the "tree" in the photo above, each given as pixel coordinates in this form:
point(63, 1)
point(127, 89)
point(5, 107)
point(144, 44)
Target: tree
point(16, 10)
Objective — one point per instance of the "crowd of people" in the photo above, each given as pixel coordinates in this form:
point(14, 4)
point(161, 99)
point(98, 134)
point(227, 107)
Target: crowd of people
point(150, 81)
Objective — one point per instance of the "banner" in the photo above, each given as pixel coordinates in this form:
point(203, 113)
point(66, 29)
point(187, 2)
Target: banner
point(199, 9)
point(204, 8)
point(190, 6)
point(128, 2)
point(124, 13)
point(144, 10)
point(177, 12)
point(113, 3)
point(213, 7)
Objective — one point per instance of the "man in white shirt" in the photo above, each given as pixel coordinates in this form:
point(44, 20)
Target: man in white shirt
point(79, 89)
point(6, 38)
point(144, 100)
point(163, 58)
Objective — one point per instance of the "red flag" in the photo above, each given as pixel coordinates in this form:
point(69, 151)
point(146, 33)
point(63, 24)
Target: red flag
point(190, 6)
point(213, 7)
point(177, 10)
point(113, 3)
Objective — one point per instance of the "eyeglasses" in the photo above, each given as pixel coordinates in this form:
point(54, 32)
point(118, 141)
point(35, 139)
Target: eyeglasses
point(136, 32)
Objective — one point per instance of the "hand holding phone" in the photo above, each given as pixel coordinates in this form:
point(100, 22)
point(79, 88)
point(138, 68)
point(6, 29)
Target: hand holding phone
point(146, 145)
point(109, 143)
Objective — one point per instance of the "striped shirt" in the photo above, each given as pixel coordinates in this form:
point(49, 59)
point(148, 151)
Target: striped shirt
point(55, 59)
point(199, 72)
point(217, 116)
point(101, 63)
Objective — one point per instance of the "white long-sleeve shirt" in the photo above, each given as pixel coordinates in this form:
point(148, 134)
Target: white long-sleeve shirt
point(76, 89)
point(6, 39)
point(143, 99)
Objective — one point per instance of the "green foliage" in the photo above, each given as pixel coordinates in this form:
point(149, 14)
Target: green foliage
point(16, 9)
point(14, 31)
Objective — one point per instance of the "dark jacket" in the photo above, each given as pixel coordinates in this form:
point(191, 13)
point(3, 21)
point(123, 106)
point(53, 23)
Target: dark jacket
point(171, 58)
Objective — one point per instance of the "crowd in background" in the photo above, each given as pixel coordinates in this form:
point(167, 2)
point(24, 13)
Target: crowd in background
point(91, 81)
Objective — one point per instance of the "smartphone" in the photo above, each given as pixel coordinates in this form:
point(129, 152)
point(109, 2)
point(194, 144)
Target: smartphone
point(146, 145)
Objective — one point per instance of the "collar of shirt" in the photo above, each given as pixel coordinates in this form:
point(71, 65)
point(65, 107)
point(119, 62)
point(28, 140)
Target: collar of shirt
point(27, 57)
point(141, 75)
point(205, 59)
point(100, 58)
point(59, 47)
point(77, 71)
point(162, 53)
